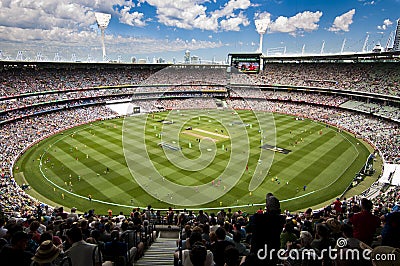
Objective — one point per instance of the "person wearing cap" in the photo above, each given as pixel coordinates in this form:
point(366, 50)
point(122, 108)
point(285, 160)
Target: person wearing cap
point(73, 215)
point(15, 253)
point(46, 254)
point(266, 229)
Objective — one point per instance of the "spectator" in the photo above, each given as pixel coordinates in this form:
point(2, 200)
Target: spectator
point(391, 229)
point(46, 254)
point(365, 223)
point(266, 229)
point(231, 256)
point(218, 247)
point(15, 253)
point(80, 252)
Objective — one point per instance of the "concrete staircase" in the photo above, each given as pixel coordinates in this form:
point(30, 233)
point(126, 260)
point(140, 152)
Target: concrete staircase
point(161, 252)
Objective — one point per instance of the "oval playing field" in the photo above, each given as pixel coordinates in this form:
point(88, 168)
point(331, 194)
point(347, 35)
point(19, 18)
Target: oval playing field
point(193, 159)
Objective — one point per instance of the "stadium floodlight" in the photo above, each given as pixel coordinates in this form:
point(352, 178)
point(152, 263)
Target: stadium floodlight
point(396, 45)
point(261, 27)
point(102, 20)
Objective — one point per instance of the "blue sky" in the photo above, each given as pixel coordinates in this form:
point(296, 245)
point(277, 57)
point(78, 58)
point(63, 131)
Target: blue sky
point(210, 29)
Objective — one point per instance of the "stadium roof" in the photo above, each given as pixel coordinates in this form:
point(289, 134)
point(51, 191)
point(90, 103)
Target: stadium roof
point(356, 57)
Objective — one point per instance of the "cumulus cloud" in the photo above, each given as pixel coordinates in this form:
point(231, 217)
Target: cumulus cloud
point(385, 24)
point(67, 27)
point(188, 14)
point(131, 18)
point(342, 22)
point(68, 42)
point(305, 21)
point(55, 13)
point(233, 23)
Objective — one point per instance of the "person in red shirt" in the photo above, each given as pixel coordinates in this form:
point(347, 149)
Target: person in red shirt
point(365, 223)
point(337, 206)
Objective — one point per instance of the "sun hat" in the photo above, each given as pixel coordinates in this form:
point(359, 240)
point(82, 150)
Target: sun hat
point(333, 224)
point(47, 252)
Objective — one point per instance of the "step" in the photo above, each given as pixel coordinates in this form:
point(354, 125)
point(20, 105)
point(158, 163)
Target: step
point(161, 252)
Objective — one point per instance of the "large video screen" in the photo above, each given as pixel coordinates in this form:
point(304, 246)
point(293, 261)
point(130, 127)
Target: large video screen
point(246, 63)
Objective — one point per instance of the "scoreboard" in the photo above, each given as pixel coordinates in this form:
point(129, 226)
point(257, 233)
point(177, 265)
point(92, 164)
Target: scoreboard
point(245, 63)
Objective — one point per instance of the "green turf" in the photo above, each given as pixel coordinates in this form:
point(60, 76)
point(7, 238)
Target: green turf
point(321, 158)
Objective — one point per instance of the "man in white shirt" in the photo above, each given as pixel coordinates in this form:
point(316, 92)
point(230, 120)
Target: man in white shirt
point(81, 252)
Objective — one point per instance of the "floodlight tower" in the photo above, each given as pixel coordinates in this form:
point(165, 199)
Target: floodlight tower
point(261, 28)
point(396, 45)
point(102, 20)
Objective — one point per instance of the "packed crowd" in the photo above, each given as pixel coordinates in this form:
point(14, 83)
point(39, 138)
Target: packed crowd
point(238, 92)
point(52, 236)
point(21, 81)
point(270, 236)
point(189, 75)
point(382, 78)
point(18, 135)
point(273, 237)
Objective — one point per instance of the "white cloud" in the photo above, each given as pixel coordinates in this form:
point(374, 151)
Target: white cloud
point(233, 23)
point(342, 22)
point(305, 21)
point(188, 14)
point(131, 18)
point(385, 24)
point(68, 41)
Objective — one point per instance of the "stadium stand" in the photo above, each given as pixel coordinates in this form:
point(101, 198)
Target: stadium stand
point(39, 101)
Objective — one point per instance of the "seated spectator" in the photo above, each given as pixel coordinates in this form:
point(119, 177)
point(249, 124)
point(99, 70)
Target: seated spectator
point(237, 237)
point(231, 256)
point(81, 252)
point(323, 242)
point(15, 254)
point(117, 251)
point(73, 215)
point(218, 247)
point(288, 234)
point(195, 241)
point(303, 245)
point(46, 254)
point(198, 256)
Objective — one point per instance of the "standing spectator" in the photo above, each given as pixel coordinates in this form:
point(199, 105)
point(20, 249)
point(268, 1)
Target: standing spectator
point(391, 229)
point(266, 230)
point(337, 206)
point(365, 223)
